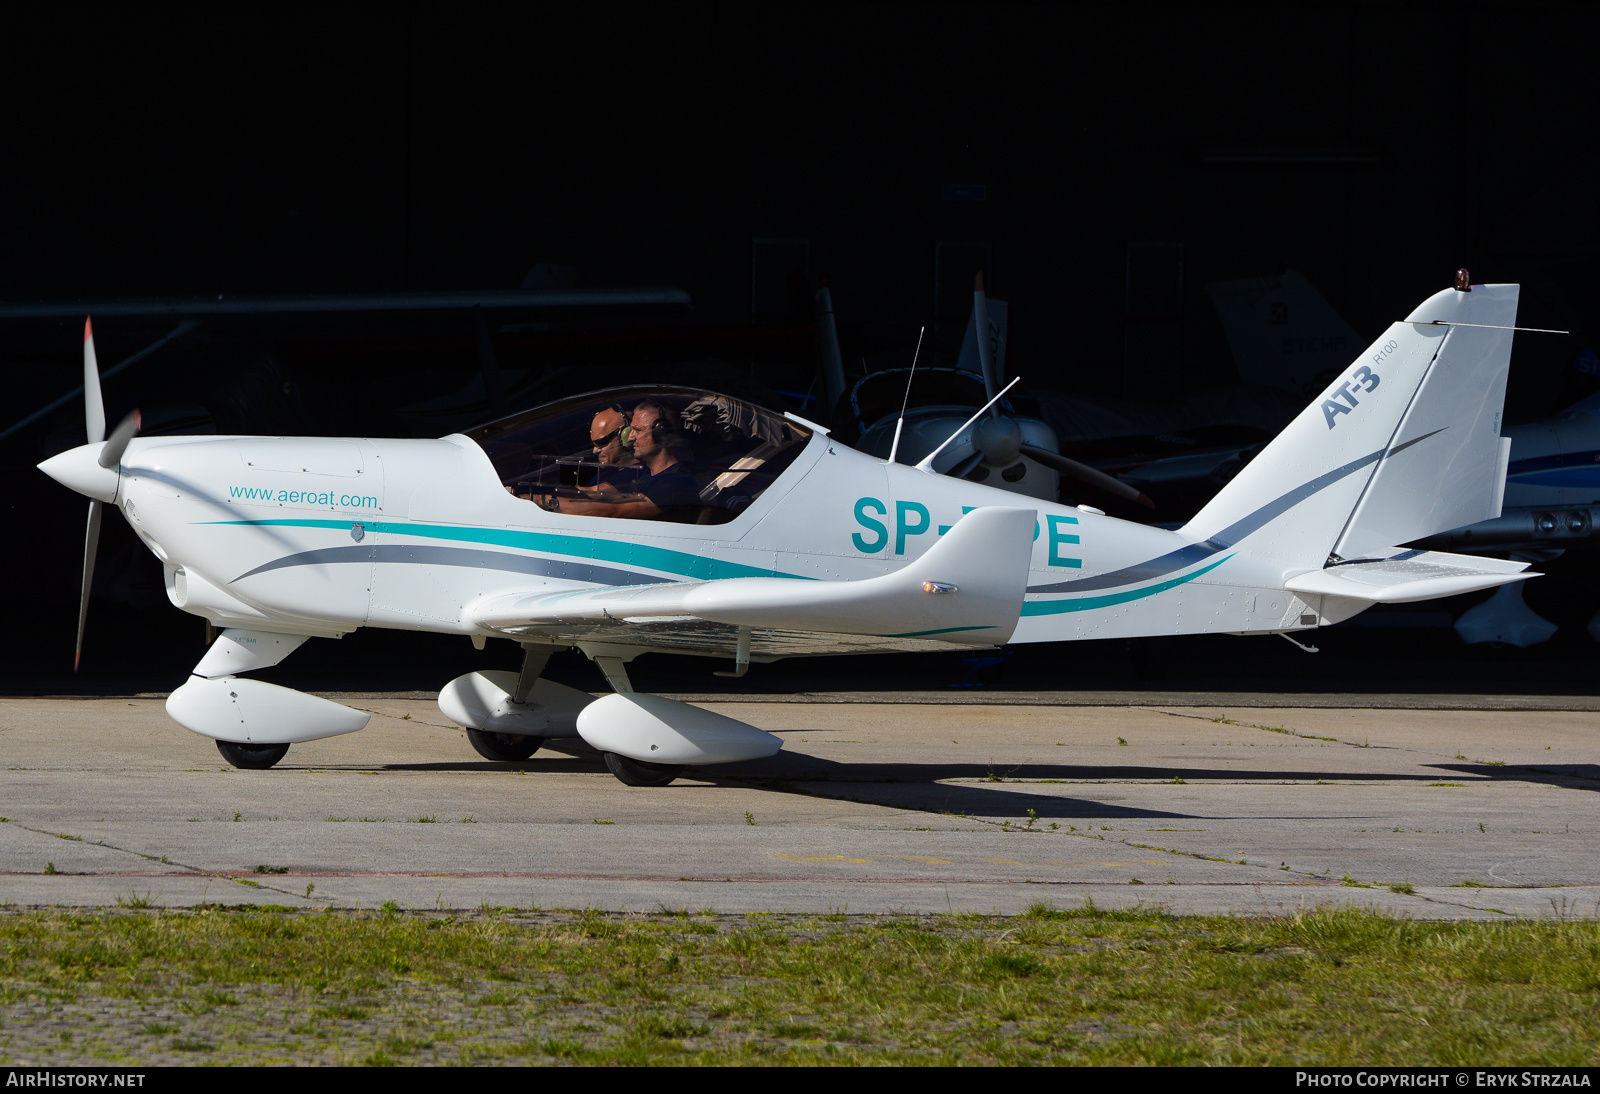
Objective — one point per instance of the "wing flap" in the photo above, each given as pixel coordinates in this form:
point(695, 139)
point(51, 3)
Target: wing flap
point(1408, 576)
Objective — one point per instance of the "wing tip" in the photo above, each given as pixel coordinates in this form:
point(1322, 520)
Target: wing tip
point(88, 328)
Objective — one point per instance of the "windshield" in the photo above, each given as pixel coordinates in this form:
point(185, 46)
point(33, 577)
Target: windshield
point(647, 453)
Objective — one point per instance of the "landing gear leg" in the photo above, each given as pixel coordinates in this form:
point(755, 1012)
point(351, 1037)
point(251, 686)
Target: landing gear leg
point(534, 659)
point(648, 740)
point(512, 747)
point(613, 663)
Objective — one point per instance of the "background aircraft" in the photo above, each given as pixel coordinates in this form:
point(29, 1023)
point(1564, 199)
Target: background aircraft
point(908, 413)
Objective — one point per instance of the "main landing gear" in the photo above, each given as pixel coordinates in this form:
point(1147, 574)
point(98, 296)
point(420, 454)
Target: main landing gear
point(645, 740)
point(506, 747)
point(639, 773)
point(252, 757)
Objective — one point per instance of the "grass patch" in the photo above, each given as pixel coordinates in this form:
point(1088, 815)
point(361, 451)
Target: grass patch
point(1053, 986)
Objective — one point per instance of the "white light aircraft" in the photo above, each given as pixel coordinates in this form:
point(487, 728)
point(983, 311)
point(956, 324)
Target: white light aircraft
point(741, 534)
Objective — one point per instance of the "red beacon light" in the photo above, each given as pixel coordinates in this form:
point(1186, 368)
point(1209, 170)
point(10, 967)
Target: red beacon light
point(1463, 280)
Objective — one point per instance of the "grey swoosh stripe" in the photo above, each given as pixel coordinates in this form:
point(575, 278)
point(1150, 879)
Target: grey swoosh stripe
point(1233, 533)
point(418, 555)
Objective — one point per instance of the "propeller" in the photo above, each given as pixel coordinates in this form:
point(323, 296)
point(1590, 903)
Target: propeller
point(1084, 473)
point(997, 440)
point(110, 456)
point(997, 443)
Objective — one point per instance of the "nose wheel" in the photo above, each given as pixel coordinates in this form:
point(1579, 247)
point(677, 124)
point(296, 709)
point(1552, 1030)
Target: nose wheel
point(252, 757)
point(505, 747)
point(640, 773)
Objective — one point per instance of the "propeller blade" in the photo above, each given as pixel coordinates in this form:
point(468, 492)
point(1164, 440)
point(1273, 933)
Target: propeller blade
point(117, 443)
point(91, 543)
point(1084, 473)
point(94, 407)
point(980, 330)
point(964, 468)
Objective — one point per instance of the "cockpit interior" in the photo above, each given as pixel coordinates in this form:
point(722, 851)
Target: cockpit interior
point(651, 453)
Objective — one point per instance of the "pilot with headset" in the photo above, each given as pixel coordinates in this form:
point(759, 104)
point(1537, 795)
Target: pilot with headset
point(667, 491)
point(612, 441)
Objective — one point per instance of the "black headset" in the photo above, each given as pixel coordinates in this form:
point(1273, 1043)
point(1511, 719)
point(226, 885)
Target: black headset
point(660, 429)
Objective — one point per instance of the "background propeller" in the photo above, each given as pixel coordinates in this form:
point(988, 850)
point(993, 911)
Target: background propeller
point(997, 440)
point(996, 446)
point(110, 456)
point(1084, 473)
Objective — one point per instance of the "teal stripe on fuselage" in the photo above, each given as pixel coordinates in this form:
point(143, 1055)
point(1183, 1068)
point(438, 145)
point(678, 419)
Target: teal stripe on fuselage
point(682, 563)
point(1089, 603)
point(661, 559)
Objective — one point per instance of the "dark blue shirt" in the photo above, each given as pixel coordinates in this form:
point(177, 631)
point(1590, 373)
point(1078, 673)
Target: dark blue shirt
point(673, 486)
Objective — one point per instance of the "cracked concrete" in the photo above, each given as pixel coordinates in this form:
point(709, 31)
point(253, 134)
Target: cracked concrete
point(1438, 813)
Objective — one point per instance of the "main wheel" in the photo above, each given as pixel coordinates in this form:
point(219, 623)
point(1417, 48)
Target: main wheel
point(503, 746)
point(252, 757)
point(640, 773)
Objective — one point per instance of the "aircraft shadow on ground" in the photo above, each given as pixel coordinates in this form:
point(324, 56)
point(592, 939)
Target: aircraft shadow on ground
point(1567, 776)
point(937, 787)
point(954, 788)
point(897, 786)
point(976, 800)
point(800, 766)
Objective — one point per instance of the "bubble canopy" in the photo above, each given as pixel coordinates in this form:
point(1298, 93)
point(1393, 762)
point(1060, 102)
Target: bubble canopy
point(654, 453)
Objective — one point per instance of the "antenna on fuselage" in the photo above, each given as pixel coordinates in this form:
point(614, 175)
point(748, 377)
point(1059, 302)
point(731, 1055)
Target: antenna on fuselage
point(927, 461)
point(904, 402)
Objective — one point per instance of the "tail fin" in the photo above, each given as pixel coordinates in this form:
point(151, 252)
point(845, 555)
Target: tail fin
point(1405, 443)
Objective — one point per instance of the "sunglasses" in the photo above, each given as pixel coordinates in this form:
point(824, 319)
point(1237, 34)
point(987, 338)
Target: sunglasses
point(601, 442)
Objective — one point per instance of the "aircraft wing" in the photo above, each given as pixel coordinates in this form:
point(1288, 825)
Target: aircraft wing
point(966, 590)
point(1408, 575)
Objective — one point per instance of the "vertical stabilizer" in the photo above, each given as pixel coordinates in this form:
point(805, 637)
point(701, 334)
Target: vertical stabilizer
point(1404, 443)
point(1444, 469)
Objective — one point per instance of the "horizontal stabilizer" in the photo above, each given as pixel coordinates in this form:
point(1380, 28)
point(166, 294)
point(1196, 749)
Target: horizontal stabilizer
point(1408, 576)
point(968, 588)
